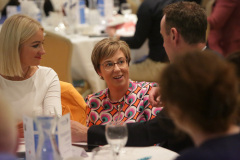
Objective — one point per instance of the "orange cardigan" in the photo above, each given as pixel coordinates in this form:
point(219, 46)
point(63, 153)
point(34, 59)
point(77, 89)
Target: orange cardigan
point(73, 103)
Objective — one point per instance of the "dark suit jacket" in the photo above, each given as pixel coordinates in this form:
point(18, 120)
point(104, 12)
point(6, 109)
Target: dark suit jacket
point(159, 130)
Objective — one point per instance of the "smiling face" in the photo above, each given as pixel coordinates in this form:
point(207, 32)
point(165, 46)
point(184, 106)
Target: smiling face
point(32, 50)
point(117, 78)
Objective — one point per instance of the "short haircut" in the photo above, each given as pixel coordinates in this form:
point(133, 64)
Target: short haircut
point(204, 87)
point(189, 19)
point(107, 48)
point(15, 31)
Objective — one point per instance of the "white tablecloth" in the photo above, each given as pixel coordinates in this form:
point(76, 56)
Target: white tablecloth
point(141, 153)
point(127, 153)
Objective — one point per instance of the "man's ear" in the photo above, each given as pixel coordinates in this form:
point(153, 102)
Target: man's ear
point(174, 35)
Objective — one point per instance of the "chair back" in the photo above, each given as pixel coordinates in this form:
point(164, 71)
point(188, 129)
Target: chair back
point(58, 55)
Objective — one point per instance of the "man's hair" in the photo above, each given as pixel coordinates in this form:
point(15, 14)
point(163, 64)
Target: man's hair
point(204, 87)
point(189, 19)
point(16, 30)
point(107, 48)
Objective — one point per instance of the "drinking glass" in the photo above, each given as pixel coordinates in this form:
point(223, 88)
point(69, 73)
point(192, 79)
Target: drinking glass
point(117, 135)
point(116, 7)
point(126, 9)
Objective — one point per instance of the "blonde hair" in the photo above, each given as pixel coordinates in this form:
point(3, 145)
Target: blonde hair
point(107, 48)
point(15, 31)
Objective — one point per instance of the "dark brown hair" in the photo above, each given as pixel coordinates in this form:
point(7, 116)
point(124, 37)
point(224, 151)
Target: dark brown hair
point(204, 88)
point(189, 19)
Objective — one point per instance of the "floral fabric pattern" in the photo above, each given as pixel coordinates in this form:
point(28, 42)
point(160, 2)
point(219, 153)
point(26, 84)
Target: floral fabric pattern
point(133, 107)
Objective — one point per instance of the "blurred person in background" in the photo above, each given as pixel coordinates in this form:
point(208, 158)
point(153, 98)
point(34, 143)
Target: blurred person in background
point(224, 33)
point(8, 131)
point(200, 93)
point(30, 88)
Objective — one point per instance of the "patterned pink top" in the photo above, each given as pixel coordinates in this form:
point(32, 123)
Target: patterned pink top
point(133, 107)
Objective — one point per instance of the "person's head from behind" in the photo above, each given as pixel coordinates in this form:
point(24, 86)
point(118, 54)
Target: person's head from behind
point(200, 92)
point(21, 39)
point(8, 130)
point(183, 25)
point(110, 58)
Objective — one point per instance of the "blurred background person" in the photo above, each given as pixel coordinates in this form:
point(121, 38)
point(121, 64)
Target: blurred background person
point(29, 88)
point(224, 33)
point(124, 100)
point(200, 93)
point(8, 131)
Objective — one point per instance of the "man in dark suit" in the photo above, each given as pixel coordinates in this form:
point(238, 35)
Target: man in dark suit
point(181, 33)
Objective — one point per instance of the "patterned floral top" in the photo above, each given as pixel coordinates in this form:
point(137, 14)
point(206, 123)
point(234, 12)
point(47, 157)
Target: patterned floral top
point(133, 107)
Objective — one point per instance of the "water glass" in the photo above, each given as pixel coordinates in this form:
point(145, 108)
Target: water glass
point(126, 9)
point(116, 135)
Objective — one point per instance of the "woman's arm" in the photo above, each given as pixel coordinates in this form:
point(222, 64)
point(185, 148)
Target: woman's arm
point(52, 100)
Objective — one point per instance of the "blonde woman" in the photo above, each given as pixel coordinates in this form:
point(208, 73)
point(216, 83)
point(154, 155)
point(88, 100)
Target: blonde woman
point(29, 87)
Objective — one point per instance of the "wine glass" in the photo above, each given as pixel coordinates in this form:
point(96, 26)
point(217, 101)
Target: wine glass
point(115, 7)
point(126, 9)
point(116, 135)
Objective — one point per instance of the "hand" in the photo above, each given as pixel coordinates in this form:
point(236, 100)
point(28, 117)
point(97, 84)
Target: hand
point(154, 97)
point(79, 132)
point(20, 130)
point(111, 31)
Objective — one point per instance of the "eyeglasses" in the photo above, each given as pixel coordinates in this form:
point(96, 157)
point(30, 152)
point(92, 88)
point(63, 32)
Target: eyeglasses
point(109, 66)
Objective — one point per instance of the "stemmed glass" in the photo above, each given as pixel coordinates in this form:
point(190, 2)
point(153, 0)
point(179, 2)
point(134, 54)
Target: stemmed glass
point(126, 9)
point(117, 135)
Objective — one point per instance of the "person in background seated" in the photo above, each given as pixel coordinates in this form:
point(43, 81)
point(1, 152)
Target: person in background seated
point(200, 93)
point(123, 100)
point(8, 131)
point(30, 88)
